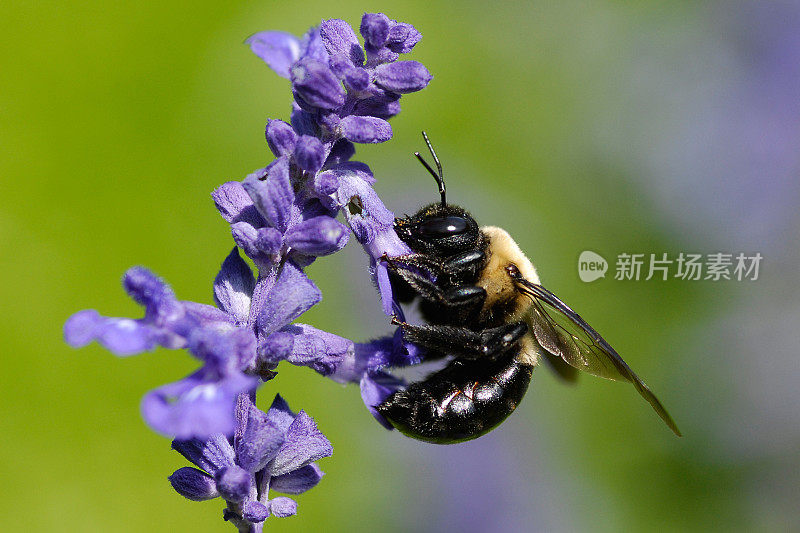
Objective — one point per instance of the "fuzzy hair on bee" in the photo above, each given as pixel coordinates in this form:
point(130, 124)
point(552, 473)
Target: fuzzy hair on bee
point(488, 315)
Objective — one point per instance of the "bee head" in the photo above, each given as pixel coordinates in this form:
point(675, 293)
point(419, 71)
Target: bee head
point(439, 229)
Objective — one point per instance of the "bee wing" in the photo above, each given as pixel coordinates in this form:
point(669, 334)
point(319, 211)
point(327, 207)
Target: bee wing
point(564, 371)
point(562, 332)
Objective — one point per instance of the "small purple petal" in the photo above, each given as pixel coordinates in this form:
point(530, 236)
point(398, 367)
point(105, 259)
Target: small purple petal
point(354, 169)
point(278, 50)
point(317, 85)
point(298, 481)
point(282, 507)
point(304, 444)
point(281, 138)
point(378, 56)
point(309, 153)
point(124, 336)
point(233, 286)
point(206, 314)
point(341, 152)
point(382, 106)
point(213, 347)
point(152, 292)
point(246, 236)
point(275, 348)
point(385, 290)
point(340, 65)
point(257, 439)
point(280, 414)
point(318, 236)
point(244, 348)
point(303, 122)
point(311, 46)
point(375, 29)
point(292, 295)
point(255, 511)
point(375, 388)
point(340, 39)
point(211, 455)
point(404, 353)
point(365, 129)
point(193, 484)
point(403, 76)
point(223, 348)
point(326, 183)
point(328, 121)
point(80, 328)
point(318, 349)
point(262, 245)
point(357, 79)
point(195, 406)
point(311, 208)
point(269, 241)
point(364, 211)
point(384, 242)
point(273, 197)
point(235, 205)
point(234, 483)
point(402, 38)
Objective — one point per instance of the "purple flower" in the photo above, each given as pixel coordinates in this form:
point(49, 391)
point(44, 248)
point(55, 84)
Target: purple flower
point(235, 342)
point(279, 50)
point(334, 78)
point(202, 403)
point(283, 217)
point(281, 295)
point(343, 94)
point(275, 450)
point(199, 405)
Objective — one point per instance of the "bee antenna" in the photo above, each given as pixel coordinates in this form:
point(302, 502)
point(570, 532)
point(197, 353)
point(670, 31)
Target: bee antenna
point(439, 177)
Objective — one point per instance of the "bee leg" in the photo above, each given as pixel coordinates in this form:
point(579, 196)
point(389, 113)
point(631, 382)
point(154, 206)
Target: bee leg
point(464, 342)
point(418, 261)
point(422, 284)
point(466, 263)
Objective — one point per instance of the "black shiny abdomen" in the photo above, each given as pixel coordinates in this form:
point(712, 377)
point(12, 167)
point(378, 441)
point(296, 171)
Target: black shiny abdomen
point(466, 399)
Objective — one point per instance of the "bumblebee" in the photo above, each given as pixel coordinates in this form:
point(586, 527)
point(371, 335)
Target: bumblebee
point(487, 311)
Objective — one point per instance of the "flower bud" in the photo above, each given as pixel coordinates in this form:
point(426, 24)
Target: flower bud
point(365, 129)
point(403, 76)
point(234, 483)
point(281, 137)
point(193, 484)
point(375, 29)
point(309, 153)
point(317, 85)
point(317, 236)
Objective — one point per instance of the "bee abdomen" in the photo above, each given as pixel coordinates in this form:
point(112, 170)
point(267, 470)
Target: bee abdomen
point(464, 400)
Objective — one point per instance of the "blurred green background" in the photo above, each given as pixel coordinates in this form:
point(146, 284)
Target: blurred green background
point(617, 127)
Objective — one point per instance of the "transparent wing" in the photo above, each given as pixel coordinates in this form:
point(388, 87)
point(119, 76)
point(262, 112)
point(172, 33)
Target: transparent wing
point(563, 333)
point(565, 372)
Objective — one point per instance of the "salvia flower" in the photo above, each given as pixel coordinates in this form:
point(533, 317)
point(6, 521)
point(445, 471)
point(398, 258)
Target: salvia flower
point(203, 402)
point(282, 217)
point(275, 451)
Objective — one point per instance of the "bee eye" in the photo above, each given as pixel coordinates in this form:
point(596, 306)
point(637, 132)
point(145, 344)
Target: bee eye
point(443, 227)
